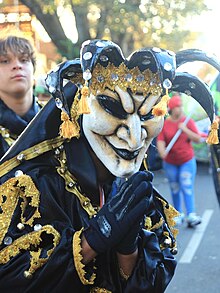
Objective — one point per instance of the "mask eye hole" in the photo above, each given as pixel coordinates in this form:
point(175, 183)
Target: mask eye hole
point(112, 106)
point(148, 116)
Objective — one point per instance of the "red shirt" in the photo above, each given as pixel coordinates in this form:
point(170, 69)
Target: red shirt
point(182, 150)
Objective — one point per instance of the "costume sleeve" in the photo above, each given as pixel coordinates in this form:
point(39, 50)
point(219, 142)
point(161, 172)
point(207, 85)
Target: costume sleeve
point(40, 243)
point(36, 237)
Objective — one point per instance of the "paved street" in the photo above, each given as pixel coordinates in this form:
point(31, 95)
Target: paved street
point(198, 269)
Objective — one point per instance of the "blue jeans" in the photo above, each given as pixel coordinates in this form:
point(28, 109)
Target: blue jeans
point(181, 180)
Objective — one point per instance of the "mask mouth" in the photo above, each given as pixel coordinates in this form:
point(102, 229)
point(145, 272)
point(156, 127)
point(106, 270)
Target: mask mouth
point(125, 154)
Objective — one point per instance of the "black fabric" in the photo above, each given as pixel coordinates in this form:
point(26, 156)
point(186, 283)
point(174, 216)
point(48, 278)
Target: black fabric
point(62, 210)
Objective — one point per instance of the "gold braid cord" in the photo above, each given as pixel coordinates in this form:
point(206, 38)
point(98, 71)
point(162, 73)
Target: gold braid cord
point(7, 135)
point(71, 185)
point(77, 255)
point(30, 153)
point(10, 192)
point(26, 242)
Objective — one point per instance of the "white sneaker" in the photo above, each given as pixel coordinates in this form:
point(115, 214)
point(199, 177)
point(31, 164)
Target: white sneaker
point(193, 220)
point(179, 219)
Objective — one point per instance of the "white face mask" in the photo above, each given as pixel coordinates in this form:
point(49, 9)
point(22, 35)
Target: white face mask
point(120, 129)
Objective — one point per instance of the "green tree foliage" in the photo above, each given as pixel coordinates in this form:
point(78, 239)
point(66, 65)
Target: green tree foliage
point(130, 23)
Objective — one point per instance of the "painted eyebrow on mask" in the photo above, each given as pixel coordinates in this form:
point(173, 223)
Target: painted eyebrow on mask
point(112, 104)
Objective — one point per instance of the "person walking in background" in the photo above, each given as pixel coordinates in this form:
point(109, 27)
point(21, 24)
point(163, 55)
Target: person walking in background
point(180, 163)
point(17, 103)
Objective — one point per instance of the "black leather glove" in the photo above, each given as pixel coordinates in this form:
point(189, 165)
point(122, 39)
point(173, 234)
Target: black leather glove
point(118, 216)
point(129, 243)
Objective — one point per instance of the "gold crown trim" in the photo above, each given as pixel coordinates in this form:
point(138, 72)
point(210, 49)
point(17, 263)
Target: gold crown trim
point(145, 82)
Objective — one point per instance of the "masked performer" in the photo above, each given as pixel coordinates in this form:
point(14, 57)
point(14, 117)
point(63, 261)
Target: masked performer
point(77, 215)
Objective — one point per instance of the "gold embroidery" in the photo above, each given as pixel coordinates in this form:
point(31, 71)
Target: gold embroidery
point(26, 242)
point(170, 213)
point(99, 290)
point(110, 76)
point(18, 187)
point(77, 255)
point(31, 153)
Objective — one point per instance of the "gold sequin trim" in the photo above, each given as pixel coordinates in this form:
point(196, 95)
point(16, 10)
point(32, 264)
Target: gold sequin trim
point(26, 242)
point(99, 290)
point(77, 255)
point(31, 153)
point(18, 187)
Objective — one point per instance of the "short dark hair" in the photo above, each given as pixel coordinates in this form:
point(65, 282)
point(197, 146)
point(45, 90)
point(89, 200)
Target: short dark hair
point(16, 43)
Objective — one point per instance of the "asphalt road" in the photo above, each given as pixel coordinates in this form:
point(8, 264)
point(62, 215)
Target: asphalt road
point(198, 268)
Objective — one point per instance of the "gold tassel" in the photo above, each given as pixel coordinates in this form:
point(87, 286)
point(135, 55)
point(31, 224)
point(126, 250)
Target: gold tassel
point(83, 105)
point(161, 108)
point(213, 135)
point(67, 128)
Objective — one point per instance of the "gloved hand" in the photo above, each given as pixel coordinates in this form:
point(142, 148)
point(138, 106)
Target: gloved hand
point(118, 216)
point(129, 243)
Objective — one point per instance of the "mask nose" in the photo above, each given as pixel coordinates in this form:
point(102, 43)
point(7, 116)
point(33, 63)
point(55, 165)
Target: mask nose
point(132, 132)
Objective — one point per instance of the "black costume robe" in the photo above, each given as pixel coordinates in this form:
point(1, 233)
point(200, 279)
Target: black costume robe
point(44, 210)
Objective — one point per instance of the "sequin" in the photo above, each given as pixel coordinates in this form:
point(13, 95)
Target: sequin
point(20, 226)
point(103, 58)
point(140, 78)
point(59, 104)
point(20, 157)
point(156, 50)
point(188, 93)
point(100, 78)
point(87, 74)
point(167, 83)
point(146, 61)
point(87, 56)
point(18, 173)
point(128, 77)
point(37, 227)
point(52, 89)
point(7, 240)
point(192, 85)
point(100, 44)
point(57, 152)
point(114, 77)
point(167, 66)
